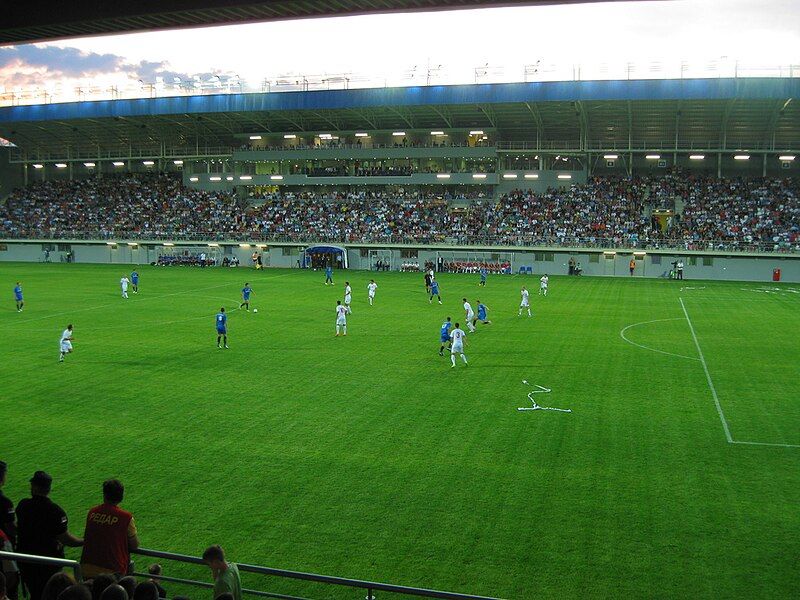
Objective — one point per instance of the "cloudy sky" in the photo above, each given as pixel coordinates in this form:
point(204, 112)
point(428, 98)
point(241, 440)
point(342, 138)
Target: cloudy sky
point(409, 48)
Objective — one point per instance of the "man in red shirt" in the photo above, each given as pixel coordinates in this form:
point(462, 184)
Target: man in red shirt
point(110, 534)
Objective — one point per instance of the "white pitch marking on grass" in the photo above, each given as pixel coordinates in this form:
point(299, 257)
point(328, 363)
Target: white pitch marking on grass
point(716, 398)
point(693, 288)
point(708, 375)
point(540, 389)
point(766, 444)
point(624, 329)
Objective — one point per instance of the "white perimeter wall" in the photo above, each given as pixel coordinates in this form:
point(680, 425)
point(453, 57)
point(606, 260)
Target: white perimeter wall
point(723, 267)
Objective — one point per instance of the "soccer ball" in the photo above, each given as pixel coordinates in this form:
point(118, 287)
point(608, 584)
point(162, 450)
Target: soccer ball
point(255, 310)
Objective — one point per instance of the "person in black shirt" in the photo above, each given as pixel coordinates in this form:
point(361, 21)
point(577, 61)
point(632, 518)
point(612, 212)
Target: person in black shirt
point(42, 529)
point(9, 529)
point(6, 508)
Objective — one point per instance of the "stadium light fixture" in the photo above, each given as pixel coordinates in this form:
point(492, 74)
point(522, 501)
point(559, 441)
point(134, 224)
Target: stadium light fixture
point(244, 245)
point(653, 156)
point(361, 134)
point(213, 245)
point(531, 176)
point(193, 178)
point(476, 132)
point(565, 176)
point(229, 178)
point(443, 176)
point(177, 162)
point(111, 243)
point(255, 137)
point(509, 175)
point(148, 163)
point(398, 133)
point(785, 158)
point(741, 157)
point(38, 166)
point(89, 165)
point(276, 177)
point(697, 156)
point(437, 132)
point(61, 165)
point(132, 244)
point(479, 175)
point(215, 178)
point(168, 244)
point(325, 136)
point(290, 136)
point(118, 163)
point(611, 156)
point(245, 177)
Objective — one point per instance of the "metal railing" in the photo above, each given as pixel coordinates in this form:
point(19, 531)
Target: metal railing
point(511, 242)
point(45, 560)
point(369, 586)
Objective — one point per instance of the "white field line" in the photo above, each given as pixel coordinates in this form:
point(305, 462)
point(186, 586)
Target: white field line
point(708, 375)
point(624, 329)
point(716, 398)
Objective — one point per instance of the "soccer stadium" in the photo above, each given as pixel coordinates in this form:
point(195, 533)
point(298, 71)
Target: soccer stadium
point(493, 304)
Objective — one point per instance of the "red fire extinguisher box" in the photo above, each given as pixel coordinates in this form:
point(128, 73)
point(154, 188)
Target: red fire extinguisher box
point(776, 274)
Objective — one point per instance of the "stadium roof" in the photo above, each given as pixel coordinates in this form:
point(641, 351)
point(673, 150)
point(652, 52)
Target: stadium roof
point(703, 113)
point(38, 20)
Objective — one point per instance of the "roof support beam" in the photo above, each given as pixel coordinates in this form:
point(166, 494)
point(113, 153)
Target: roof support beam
point(724, 125)
point(537, 117)
point(777, 111)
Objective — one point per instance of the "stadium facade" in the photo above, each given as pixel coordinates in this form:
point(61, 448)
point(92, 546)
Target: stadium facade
point(483, 138)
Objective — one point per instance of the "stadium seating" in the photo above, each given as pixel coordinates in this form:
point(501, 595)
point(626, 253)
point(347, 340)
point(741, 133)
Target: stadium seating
point(706, 213)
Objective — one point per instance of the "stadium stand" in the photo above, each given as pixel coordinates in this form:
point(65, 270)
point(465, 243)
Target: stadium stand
point(705, 212)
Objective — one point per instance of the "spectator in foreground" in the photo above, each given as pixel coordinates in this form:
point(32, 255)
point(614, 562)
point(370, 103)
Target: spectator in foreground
point(110, 534)
point(225, 574)
point(8, 568)
point(3, 587)
point(155, 570)
point(57, 584)
point(8, 534)
point(42, 529)
point(146, 591)
point(76, 592)
point(6, 508)
point(129, 584)
point(114, 592)
point(100, 583)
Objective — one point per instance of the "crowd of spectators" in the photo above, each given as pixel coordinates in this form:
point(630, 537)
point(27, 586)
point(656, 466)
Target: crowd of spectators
point(146, 205)
point(703, 212)
point(40, 527)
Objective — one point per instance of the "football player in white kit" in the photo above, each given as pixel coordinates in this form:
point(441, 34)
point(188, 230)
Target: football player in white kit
point(459, 339)
point(124, 284)
point(470, 315)
point(543, 285)
point(525, 303)
point(348, 296)
point(66, 342)
point(341, 318)
point(371, 287)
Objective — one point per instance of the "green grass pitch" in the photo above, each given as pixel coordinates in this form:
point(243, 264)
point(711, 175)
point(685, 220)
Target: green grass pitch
point(369, 457)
